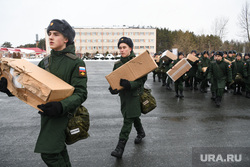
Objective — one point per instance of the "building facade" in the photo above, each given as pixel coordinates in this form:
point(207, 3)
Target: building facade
point(104, 40)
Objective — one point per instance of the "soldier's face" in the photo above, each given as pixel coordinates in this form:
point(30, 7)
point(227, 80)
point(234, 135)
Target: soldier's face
point(57, 41)
point(205, 55)
point(230, 55)
point(219, 58)
point(238, 58)
point(124, 50)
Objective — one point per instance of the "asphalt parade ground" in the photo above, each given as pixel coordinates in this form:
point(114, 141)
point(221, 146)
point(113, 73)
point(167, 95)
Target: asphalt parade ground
point(173, 129)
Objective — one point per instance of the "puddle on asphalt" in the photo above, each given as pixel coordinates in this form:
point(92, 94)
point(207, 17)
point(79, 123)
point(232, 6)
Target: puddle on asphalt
point(176, 119)
point(224, 118)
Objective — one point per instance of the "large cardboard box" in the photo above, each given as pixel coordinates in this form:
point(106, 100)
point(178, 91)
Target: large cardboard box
point(169, 55)
point(192, 57)
point(179, 69)
point(32, 84)
point(132, 70)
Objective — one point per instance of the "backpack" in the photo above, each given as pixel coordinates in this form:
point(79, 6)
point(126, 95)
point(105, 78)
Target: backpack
point(78, 126)
point(148, 102)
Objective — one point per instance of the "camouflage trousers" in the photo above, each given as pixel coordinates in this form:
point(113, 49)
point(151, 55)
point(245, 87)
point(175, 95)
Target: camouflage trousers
point(127, 126)
point(57, 160)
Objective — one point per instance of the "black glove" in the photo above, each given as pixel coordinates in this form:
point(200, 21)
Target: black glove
point(113, 91)
point(3, 86)
point(125, 83)
point(51, 109)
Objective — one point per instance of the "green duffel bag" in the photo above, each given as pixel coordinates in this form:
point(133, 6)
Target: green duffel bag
point(78, 126)
point(148, 102)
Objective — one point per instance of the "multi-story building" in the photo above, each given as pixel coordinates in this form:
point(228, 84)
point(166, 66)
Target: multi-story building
point(104, 40)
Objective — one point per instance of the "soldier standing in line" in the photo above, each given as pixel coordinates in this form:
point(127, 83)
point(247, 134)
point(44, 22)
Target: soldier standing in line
point(246, 73)
point(192, 73)
point(203, 64)
point(211, 56)
point(220, 72)
point(230, 56)
point(237, 74)
point(130, 99)
point(212, 87)
point(178, 84)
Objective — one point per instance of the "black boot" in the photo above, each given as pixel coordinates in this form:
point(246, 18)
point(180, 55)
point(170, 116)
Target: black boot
point(181, 94)
point(177, 94)
point(119, 148)
point(247, 94)
point(234, 91)
point(218, 101)
point(140, 135)
point(213, 96)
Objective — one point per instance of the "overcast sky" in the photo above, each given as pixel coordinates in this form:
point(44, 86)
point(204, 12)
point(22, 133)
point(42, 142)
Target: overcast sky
point(21, 20)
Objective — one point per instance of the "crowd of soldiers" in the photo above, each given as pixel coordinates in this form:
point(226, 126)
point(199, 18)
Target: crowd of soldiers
point(221, 71)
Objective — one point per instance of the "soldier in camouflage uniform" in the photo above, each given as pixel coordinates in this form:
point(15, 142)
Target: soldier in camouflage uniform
point(192, 73)
point(178, 84)
point(237, 74)
point(165, 66)
point(130, 99)
point(221, 73)
point(54, 118)
point(204, 62)
point(246, 73)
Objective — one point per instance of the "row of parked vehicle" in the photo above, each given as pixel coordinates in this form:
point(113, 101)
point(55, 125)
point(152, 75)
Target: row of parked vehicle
point(102, 57)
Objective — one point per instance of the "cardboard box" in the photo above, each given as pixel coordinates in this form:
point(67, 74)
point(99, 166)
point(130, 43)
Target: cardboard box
point(132, 70)
point(179, 69)
point(32, 84)
point(192, 57)
point(169, 55)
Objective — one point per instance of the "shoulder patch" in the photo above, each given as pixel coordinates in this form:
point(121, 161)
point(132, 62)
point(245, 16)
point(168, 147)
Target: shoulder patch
point(82, 71)
point(70, 55)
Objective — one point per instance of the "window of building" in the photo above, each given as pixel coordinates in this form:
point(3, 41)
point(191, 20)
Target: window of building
point(151, 33)
point(152, 47)
point(99, 40)
point(126, 33)
point(105, 47)
point(94, 40)
point(78, 40)
point(88, 40)
point(94, 47)
point(147, 47)
point(83, 40)
point(141, 33)
point(147, 33)
point(89, 47)
point(136, 47)
point(141, 47)
point(78, 33)
point(105, 40)
point(141, 40)
point(99, 47)
point(94, 33)
point(116, 47)
point(136, 40)
point(110, 47)
point(137, 33)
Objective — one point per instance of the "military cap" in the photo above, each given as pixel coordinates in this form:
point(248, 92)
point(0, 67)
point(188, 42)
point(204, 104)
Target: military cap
point(180, 53)
point(239, 54)
point(230, 52)
point(234, 51)
point(63, 27)
point(127, 41)
point(193, 51)
point(219, 53)
point(205, 52)
point(225, 52)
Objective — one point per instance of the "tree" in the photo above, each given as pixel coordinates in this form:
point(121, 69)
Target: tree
point(6, 45)
point(41, 44)
point(219, 27)
point(244, 21)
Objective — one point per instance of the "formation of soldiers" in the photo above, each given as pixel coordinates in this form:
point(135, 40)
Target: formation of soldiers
point(221, 71)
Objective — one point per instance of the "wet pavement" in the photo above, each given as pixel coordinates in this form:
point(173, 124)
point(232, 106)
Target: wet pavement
point(172, 129)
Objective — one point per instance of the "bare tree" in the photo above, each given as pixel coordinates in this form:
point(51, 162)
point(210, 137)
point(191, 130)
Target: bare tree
point(219, 27)
point(244, 21)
